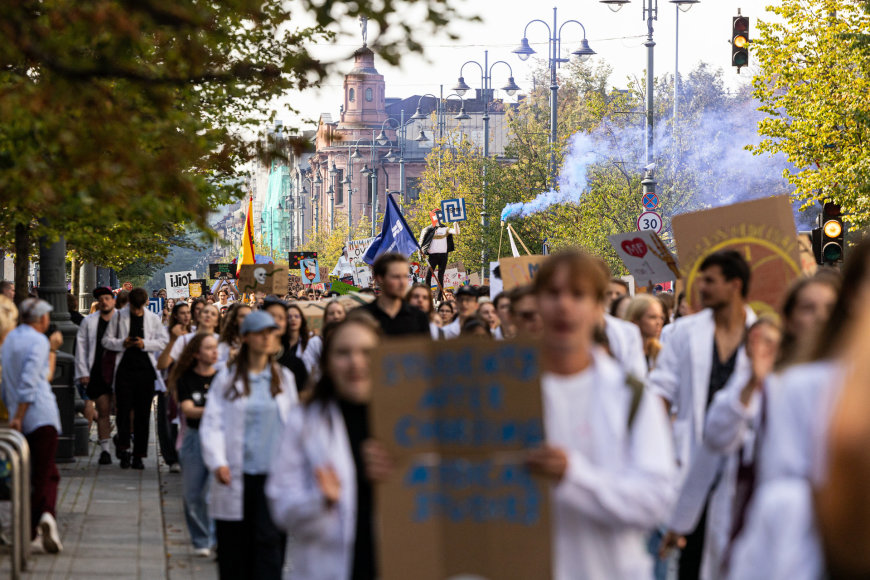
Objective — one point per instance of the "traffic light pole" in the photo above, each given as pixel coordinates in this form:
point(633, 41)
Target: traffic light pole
point(651, 10)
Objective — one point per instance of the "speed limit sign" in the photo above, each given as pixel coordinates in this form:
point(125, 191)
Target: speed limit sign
point(649, 221)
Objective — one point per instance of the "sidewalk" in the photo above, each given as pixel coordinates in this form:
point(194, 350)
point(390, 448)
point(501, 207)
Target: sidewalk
point(119, 523)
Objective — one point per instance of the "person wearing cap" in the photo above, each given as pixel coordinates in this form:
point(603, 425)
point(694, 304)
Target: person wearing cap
point(466, 306)
point(94, 368)
point(28, 359)
point(248, 404)
point(390, 309)
point(136, 336)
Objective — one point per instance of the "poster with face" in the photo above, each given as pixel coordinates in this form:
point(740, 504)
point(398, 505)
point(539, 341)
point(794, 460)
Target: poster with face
point(309, 271)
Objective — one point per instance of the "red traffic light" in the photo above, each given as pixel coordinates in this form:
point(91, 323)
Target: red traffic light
point(832, 209)
point(741, 24)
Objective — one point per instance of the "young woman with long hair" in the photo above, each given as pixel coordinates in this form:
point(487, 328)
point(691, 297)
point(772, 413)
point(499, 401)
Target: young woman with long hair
point(248, 405)
point(207, 322)
point(230, 340)
point(179, 325)
point(333, 312)
point(420, 297)
point(319, 491)
point(649, 314)
point(289, 344)
point(189, 384)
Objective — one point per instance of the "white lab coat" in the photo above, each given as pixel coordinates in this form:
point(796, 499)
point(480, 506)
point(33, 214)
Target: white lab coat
point(222, 436)
point(682, 377)
point(780, 527)
point(626, 345)
point(155, 340)
point(320, 540)
point(618, 484)
point(86, 344)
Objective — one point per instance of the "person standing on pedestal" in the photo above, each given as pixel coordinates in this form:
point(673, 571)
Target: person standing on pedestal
point(436, 241)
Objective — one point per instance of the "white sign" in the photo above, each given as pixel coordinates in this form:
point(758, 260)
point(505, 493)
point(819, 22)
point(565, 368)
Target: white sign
point(646, 257)
point(453, 278)
point(178, 284)
point(357, 249)
point(649, 221)
point(496, 286)
point(362, 276)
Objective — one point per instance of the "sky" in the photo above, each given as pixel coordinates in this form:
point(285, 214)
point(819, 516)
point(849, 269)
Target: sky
point(617, 38)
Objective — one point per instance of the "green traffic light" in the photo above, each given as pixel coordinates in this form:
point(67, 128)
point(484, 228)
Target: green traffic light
point(832, 252)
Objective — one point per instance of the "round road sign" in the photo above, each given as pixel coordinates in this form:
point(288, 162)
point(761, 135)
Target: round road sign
point(649, 221)
point(650, 201)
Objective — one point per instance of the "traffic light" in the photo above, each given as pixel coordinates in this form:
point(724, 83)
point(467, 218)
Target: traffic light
point(829, 238)
point(739, 42)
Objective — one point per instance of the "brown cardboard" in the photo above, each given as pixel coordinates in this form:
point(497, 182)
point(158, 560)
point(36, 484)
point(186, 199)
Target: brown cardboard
point(430, 520)
point(519, 271)
point(762, 231)
point(268, 278)
point(809, 266)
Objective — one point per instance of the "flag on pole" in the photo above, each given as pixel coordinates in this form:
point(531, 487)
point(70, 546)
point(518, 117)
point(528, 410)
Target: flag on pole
point(395, 235)
point(246, 252)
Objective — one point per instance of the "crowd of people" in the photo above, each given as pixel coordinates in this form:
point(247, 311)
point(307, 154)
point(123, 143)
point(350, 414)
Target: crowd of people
point(686, 438)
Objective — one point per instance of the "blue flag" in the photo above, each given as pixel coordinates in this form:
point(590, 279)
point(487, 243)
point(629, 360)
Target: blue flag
point(395, 236)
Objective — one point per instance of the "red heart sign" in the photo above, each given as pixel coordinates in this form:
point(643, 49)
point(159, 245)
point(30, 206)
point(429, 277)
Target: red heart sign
point(635, 247)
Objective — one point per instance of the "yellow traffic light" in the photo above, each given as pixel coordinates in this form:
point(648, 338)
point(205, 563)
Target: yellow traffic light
point(740, 41)
point(833, 229)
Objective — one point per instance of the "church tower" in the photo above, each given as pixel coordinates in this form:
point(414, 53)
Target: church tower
point(364, 100)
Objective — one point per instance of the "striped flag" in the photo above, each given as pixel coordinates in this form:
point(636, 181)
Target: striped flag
point(246, 252)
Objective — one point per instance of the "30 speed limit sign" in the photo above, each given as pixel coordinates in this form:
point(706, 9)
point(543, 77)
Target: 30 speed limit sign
point(649, 221)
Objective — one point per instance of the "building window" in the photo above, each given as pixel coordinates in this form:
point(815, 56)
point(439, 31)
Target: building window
point(369, 95)
point(351, 95)
point(412, 188)
point(339, 187)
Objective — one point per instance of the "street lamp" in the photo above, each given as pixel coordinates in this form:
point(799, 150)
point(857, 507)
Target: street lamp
point(584, 53)
point(401, 136)
point(461, 87)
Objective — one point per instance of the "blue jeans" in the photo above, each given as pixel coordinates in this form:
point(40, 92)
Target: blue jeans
point(194, 482)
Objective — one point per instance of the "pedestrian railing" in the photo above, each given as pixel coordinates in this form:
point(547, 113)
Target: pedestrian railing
point(14, 448)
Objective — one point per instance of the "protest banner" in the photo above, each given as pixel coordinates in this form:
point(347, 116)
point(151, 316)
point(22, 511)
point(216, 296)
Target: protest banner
point(313, 312)
point(496, 286)
point(362, 276)
point(474, 279)
point(294, 285)
point(645, 256)
point(342, 287)
point(295, 258)
point(357, 249)
point(197, 288)
point(178, 284)
point(309, 271)
point(519, 271)
point(268, 278)
point(221, 271)
point(456, 417)
point(453, 278)
point(762, 231)
point(155, 305)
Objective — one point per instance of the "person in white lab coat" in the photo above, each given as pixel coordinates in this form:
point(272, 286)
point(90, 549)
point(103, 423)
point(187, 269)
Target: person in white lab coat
point(318, 490)
point(703, 352)
point(608, 450)
point(247, 407)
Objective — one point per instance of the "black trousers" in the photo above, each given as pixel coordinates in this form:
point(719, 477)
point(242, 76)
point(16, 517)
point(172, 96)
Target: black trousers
point(133, 392)
point(693, 553)
point(167, 431)
point(437, 261)
point(252, 548)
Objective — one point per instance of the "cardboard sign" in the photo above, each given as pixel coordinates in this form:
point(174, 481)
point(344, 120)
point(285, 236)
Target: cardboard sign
point(268, 278)
point(363, 276)
point(294, 285)
point(762, 231)
point(807, 256)
point(155, 305)
point(474, 279)
point(357, 249)
point(645, 256)
point(453, 278)
point(218, 271)
point(343, 287)
point(456, 417)
point(313, 312)
point(197, 288)
point(519, 271)
point(296, 258)
point(178, 284)
point(309, 271)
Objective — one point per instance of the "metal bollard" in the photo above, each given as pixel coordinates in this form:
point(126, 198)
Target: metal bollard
point(65, 392)
point(14, 445)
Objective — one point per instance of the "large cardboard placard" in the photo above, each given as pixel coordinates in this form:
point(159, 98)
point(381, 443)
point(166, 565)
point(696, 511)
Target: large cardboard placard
point(177, 284)
point(456, 416)
point(762, 230)
point(519, 271)
point(645, 256)
point(268, 278)
point(357, 249)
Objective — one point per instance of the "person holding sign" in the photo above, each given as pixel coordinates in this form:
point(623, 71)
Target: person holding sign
point(436, 241)
point(608, 450)
point(246, 409)
point(319, 491)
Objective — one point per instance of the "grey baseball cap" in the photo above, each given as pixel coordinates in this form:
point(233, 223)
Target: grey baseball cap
point(257, 321)
point(33, 309)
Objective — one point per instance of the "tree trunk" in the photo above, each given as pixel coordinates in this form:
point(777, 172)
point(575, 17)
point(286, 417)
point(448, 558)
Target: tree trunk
point(22, 261)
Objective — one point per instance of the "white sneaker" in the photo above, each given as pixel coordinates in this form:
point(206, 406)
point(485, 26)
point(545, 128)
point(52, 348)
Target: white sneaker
point(202, 552)
point(36, 545)
point(50, 537)
point(175, 468)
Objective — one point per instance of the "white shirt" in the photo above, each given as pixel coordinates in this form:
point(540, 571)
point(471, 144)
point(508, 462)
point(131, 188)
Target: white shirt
point(181, 342)
point(438, 245)
point(618, 484)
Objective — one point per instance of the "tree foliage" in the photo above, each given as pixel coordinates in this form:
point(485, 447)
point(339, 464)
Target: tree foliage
point(814, 87)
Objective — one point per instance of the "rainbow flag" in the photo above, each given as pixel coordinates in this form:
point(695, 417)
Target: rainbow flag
point(246, 252)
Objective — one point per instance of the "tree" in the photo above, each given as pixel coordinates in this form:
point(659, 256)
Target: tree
point(814, 86)
point(329, 243)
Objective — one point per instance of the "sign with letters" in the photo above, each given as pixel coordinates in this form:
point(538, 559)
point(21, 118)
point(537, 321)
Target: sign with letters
point(357, 249)
point(268, 278)
point(645, 256)
point(762, 231)
point(219, 271)
point(519, 271)
point(197, 288)
point(155, 305)
point(456, 417)
point(178, 284)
